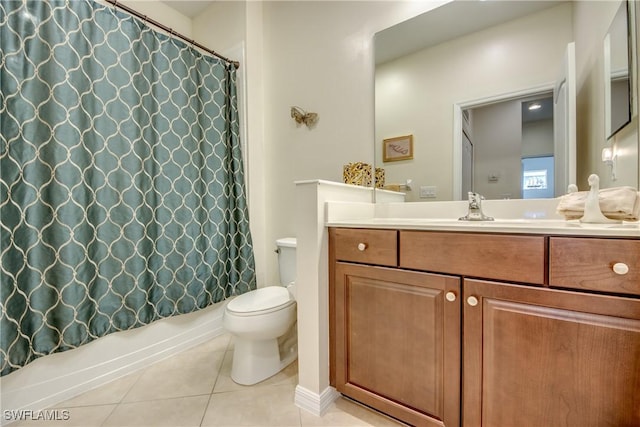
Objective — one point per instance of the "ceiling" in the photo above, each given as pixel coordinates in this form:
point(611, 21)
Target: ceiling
point(450, 21)
point(454, 19)
point(190, 8)
point(545, 112)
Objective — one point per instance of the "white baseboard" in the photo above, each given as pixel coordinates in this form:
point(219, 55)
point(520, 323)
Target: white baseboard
point(58, 377)
point(316, 404)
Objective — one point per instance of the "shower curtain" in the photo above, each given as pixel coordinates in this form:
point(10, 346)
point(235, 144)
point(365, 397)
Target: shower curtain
point(122, 197)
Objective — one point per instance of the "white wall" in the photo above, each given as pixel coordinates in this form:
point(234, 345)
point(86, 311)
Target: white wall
point(319, 56)
point(537, 138)
point(591, 21)
point(221, 26)
point(636, 89)
point(497, 142)
point(415, 94)
point(316, 55)
point(162, 13)
point(627, 141)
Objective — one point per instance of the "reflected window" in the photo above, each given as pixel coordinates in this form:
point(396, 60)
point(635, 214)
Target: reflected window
point(534, 180)
point(537, 177)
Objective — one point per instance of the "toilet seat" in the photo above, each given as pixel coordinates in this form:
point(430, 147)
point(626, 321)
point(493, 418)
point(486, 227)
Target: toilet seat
point(261, 301)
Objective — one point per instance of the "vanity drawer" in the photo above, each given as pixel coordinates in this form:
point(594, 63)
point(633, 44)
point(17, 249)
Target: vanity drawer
point(366, 246)
point(588, 263)
point(501, 257)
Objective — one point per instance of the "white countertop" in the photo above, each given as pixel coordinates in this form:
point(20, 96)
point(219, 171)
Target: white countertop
point(525, 217)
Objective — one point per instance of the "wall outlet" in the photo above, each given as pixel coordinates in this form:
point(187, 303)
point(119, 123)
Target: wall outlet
point(428, 192)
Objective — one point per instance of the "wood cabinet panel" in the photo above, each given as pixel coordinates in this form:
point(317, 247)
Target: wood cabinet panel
point(398, 342)
point(379, 247)
point(514, 258)
point(539, 357)
point(587, 264)
point(532, 356)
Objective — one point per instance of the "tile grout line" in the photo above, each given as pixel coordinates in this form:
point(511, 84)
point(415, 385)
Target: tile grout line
point(122, 402)
point(226, 350)
point(213, 387)
point(117, 405)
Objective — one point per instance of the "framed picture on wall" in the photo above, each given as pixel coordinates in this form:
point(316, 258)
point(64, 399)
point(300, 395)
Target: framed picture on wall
point(398, 148)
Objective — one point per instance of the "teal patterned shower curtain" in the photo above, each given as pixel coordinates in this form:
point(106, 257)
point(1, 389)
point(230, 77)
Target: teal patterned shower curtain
point(122, 186)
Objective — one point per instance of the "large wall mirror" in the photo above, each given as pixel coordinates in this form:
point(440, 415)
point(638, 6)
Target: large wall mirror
point(617, 72)
point(477, 84)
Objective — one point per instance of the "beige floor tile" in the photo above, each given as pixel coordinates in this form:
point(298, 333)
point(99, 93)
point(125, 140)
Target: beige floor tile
point(109, 393)
point(209, 360)
point(180, 391)
point(288, 376)
point(85, 416)
point(346, 413)
point(191, 376)
point(180, 412)
point(254, 406)
point(220, 343)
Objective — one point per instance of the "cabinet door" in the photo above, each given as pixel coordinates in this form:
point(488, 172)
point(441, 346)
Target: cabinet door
point(398, 342)
point(539, 357)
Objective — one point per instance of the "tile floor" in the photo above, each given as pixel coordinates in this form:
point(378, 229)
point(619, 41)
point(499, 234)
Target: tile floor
point(194, 388)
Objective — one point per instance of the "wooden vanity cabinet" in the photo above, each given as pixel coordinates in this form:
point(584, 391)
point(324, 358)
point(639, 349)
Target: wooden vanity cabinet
point(524, 353)
point(395, 334)
point(505, 257)
point(589, 264)
point(540, 357)
point(397, 342)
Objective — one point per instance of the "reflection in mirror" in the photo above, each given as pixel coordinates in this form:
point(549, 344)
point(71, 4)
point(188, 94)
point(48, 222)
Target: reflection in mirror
point(416, 93)
point(617, 73)
point(508, 149)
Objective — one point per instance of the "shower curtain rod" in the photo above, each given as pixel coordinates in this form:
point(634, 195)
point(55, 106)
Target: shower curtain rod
point(170, 30)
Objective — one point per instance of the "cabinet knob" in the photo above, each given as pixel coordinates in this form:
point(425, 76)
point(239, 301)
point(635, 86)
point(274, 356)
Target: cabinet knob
point(472, 301)
point(362, 246)
point(450, 296)
point(620, 268)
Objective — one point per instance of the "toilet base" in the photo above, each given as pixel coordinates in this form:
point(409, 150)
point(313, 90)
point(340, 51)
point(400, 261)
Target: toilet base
point(257, 360)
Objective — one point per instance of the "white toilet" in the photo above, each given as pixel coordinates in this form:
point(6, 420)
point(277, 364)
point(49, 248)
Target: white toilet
point(263, 323)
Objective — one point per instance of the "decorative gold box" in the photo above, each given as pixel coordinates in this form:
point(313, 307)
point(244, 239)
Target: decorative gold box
point(357, 173)
point(379, 178)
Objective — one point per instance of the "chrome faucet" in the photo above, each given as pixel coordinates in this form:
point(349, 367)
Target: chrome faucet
point(475, 209)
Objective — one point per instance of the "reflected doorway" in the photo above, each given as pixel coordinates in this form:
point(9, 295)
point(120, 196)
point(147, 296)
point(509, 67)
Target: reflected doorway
point(502, 140)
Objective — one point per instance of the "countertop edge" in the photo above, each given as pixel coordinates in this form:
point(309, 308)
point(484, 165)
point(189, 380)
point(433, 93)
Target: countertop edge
point(571, 228)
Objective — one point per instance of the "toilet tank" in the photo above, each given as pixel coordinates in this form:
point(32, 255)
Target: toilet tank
point(287, 259)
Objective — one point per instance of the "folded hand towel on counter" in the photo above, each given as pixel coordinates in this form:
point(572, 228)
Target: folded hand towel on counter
point(392, 187)
point(621, 203)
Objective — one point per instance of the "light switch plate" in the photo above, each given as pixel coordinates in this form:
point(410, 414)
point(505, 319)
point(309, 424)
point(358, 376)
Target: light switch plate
point(428, 192)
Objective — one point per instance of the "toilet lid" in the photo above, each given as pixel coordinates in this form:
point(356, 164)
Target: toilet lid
point(261, 299)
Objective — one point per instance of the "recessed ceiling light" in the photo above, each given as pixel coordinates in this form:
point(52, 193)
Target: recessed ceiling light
point(534, 106)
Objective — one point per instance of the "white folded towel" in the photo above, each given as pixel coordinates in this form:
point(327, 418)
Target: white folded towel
point(621, 203)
